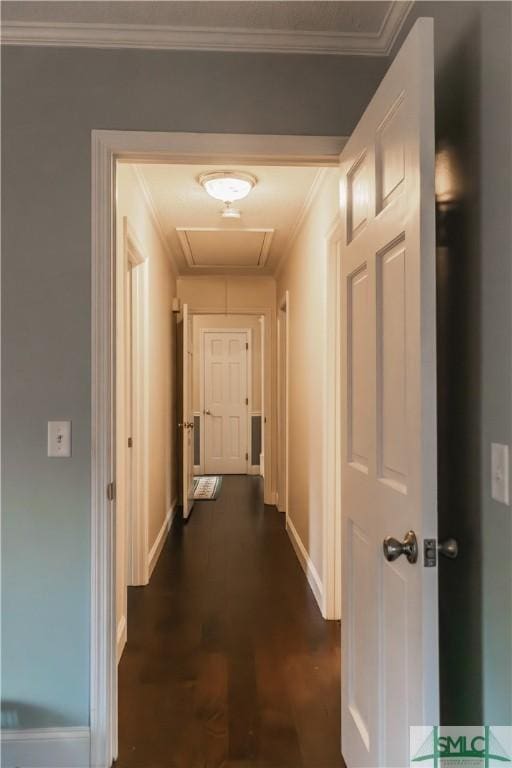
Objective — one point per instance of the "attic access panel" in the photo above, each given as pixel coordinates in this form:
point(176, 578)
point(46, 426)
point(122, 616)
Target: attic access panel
point(228, 248)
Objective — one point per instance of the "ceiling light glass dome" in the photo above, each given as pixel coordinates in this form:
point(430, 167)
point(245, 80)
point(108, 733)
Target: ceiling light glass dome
point(227, 186)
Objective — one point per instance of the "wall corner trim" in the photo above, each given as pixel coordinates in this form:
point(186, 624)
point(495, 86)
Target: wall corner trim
point(150, 206)
point(156, 549)
point(307, 564)
point(43, 747)
point(122, 636)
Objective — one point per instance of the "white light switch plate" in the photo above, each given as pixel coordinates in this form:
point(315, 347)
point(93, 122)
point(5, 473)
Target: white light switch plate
point(499, 473)
point(59, 439)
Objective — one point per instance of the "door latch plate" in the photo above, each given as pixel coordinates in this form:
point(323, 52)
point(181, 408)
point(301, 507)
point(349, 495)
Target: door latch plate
point(429, 553)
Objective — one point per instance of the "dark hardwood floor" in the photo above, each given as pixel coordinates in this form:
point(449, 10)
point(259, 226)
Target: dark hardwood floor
point(229, 662)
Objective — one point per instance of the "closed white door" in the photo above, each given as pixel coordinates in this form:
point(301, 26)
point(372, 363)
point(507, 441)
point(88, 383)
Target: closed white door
point(225, 402)
point(390, 620)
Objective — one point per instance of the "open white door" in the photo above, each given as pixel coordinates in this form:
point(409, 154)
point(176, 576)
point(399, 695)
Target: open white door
point(187, 420)
point(390, 622)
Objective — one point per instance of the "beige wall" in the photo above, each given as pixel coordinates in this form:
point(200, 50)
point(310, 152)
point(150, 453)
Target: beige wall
point(247, 296)
point(201, 322)
point(159, 357)
point(304, 275)
point(226, 293)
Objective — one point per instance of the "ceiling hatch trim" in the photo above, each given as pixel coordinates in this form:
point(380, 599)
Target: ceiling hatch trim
point(185, 235)
point(159, 37)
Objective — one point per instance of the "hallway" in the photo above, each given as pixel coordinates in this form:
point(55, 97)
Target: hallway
point(228, 661)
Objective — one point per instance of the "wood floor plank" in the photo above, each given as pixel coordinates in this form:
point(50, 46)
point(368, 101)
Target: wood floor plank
point(229, 663)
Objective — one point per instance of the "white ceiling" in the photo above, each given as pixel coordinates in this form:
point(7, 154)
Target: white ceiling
point(307, 26)
point(202, 242)
point(311, 16)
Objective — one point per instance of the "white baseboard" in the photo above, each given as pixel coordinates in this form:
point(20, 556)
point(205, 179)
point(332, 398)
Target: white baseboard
point(307, 564)
point(154, 552)
point(197, 469)
point(121, 637)
point(253, 469)
point(46, 748)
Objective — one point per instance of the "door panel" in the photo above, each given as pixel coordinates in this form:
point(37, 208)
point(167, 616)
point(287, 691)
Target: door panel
point(358, 367)
point(391, 367)
point(226, 409)
point(389, 465)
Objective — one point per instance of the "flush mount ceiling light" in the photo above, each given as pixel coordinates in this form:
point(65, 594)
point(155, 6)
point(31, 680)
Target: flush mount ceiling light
point(228, 186)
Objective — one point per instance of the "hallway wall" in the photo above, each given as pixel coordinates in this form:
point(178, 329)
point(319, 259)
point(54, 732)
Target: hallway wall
point(160, 363)
point(304, 275)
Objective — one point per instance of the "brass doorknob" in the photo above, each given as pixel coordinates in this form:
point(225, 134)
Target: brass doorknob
point(449, 548)
point(393, 548)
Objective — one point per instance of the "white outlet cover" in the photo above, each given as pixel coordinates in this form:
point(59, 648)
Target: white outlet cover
point(59, 439)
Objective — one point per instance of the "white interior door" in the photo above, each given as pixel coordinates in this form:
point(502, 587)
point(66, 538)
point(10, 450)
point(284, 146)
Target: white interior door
point(187, 420)
point(225, 402)
point(282, 406)
point(130, 408)
point(390, 622)
point(262, 385)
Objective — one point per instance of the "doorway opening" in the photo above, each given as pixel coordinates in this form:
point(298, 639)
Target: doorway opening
point(227, 338)
point(387, 450)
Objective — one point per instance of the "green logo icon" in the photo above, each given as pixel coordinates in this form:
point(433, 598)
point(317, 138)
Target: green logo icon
point(462, 746)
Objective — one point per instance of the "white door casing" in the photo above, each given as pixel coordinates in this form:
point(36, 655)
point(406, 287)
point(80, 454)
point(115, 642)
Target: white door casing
point(106, 148)
point(225, 402)
point(389, 464)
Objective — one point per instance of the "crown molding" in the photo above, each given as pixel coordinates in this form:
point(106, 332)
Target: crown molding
point(156, 37)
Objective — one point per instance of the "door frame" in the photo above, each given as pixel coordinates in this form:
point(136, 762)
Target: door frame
point(270, 411)
point(332, 527)
point(202, 442)
point(107, 147)
point(283, 435)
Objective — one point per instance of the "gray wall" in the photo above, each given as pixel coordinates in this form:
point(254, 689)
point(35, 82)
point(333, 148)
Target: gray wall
point(51, 100)
point(474, 255)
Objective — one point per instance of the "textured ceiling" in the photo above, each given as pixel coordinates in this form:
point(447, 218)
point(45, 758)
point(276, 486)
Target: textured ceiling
point(342, 17)
point(276, 202)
